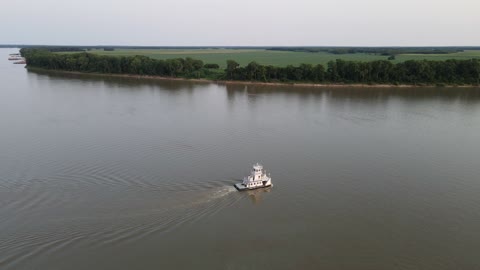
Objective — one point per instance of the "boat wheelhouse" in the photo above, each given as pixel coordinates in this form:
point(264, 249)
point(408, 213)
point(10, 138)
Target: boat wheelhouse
point(258, 178)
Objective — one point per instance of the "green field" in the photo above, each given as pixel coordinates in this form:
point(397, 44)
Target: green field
point(276, 58)
point(465, 55)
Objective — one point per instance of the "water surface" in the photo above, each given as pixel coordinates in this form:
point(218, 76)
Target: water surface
point(109, 173)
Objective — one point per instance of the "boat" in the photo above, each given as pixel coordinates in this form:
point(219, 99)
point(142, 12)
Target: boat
point(20, 62)
point(258, 178)
point(15, 58)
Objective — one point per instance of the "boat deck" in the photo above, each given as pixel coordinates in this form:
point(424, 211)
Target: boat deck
point(240, 186)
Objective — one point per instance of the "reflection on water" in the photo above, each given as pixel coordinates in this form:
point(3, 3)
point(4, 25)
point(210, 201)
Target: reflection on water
point(467, 94)
point(114, 81)
point(257, 194)
point(120, 173)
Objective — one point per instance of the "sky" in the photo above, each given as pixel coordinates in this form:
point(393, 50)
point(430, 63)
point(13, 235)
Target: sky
point(241, 23)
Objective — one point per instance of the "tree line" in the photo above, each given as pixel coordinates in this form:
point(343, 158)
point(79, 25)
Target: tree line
point(380, 72)
point(375, 50)
point(138, 65)
point(339, 71)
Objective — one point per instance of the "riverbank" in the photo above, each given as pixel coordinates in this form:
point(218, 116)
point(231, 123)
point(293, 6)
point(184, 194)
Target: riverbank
point(231, 82)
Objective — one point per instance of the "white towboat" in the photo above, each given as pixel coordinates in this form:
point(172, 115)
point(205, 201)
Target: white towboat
point(258, 178)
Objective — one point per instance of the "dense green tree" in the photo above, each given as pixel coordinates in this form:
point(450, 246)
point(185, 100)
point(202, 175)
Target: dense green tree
point(231, 67)
point(212, 66)
point(339, 71)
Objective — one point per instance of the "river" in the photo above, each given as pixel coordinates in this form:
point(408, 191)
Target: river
point(117, 173)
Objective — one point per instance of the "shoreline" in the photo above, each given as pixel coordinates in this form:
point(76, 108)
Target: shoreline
point(254, 83)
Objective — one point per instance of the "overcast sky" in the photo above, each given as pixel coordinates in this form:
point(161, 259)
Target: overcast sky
point(246, 22)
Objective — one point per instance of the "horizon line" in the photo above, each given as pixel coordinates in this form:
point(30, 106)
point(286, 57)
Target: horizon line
point(13, 45)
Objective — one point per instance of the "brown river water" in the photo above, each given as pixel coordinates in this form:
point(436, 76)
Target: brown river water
point(113, 173)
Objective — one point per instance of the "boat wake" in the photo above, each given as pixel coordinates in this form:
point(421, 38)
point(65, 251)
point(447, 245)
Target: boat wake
point(92, 218)
point(221, 192)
